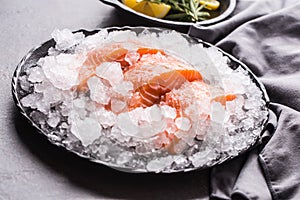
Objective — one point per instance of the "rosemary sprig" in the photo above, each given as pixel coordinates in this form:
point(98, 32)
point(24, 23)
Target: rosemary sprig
point(185, 10)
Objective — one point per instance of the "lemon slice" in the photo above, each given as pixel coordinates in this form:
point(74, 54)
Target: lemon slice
point(148, 8)
point(210, 4)
point(130, 3)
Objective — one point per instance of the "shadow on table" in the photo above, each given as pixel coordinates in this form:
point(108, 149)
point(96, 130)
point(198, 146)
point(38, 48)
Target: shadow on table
point(105, 182)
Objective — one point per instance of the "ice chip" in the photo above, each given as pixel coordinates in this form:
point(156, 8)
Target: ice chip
point(31, 100)
point(36, 75)
point(128, 127)
point(200, 158)
point(155, 113)
point(79, 103)
point(160, 164)
point(38, 117)
point(65, 38)
point(233, 85)
point(111, 71)
point(218, 112)
point(180, 160)
point(152, 129)
point(53, 119)
point(121, 36)
point(132, 57)
point(183, 123)
point(123, 88)
point(179, 147)
point(62, 70)
point(139, 115)
point(248, 123)
point(98, 91)
point(124, 157)
point(106, 118)
point(94, 41)
point(64, 125)
point(168, 111)
point(117, 105)
point(25, 85)
point(86, 130)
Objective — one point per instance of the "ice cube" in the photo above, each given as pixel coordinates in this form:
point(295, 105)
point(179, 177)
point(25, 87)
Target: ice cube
point(79, 103)
point(62, 70)
point(38, 117)
point(53, 119)
point(200, 128)
point(159, 164)
point(105, 117)
point(170, 125)
point(233, 84)
point(179, 147)
point(86, 130)
point(65, 107)
point(187, 137)
point(168, 111)
point(218, 112)
point(111, 71)
point(103, 149)
point(64, 125)
point(117, 105)
point(99, 92)
point(183, 123)
point(123, 88)
point(52, 95)
point(43, 106)
point(94, 41)
point(116, 133)
point(39, 87)
point(151, 129)
point(139, 116)
point(31, 100)
point(173, 40)
point(226, 144)
point(126, 124)
point(200, 158)
point(250, 104)
point(180, 160)
point(124, 157)
point(36, 75)
point(248, 123)
point(132, 57)
point(25, 85)
point(121, 36)
point(65, 38)
point(155, 113)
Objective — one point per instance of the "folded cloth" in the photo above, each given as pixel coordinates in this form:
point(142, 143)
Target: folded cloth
point(266, 37)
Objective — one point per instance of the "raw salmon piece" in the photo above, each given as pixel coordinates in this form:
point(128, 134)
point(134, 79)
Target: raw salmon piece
point(98, 56)
point(143, 51)
point(224, 98)
point(152, 92)
point(95, 58)
point(171, 100)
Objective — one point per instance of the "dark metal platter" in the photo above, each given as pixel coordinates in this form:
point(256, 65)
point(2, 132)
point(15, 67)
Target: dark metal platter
point(226, 8)
point(35, 54)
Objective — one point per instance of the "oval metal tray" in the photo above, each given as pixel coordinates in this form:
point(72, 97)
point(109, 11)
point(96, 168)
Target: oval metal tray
point(41, 51)
point(226, 8)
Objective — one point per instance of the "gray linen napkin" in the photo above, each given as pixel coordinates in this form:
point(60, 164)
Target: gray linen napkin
point(266, 37)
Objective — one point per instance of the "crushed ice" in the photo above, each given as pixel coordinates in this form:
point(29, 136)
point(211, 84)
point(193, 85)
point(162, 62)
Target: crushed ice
point(98, 123)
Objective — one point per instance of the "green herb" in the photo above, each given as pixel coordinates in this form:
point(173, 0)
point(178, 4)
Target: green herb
point(185, 10)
